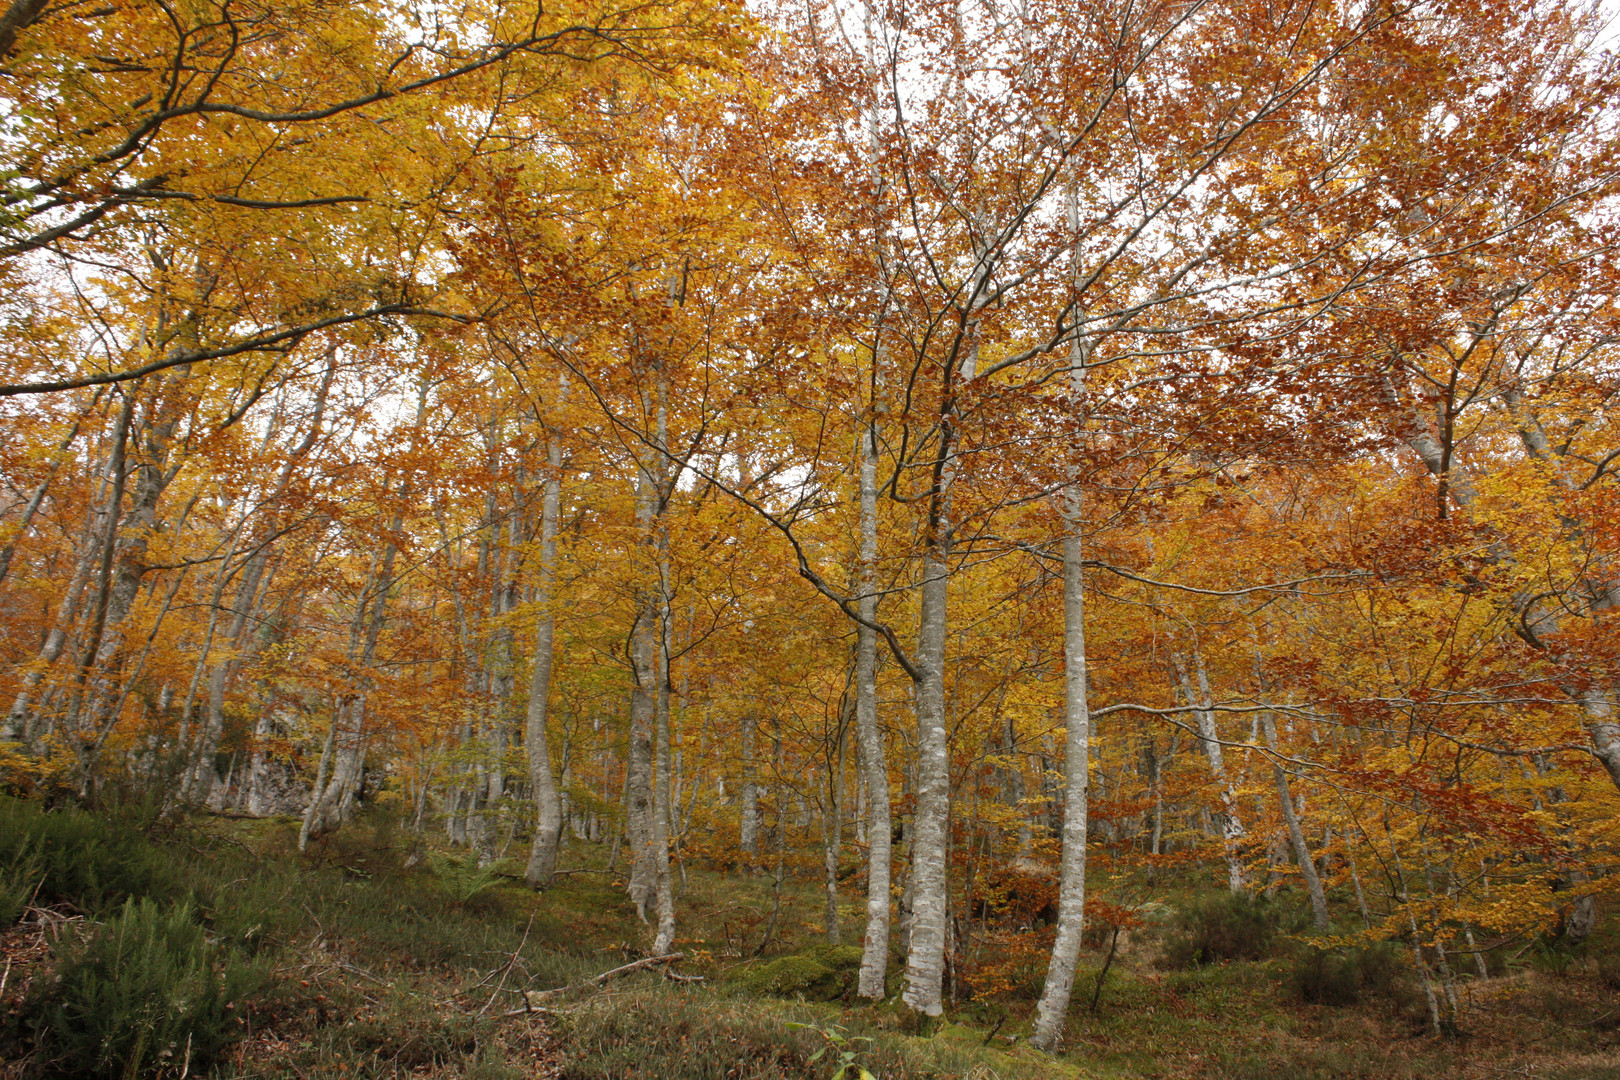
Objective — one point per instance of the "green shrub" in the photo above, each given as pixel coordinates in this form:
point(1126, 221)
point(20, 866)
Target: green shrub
point(1228, 927)
point(80, 859)
point(1347, 976)
point(144, 995)
point(20, 875)
point(260, 911)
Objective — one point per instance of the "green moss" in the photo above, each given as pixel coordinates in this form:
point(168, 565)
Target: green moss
point(817, 973)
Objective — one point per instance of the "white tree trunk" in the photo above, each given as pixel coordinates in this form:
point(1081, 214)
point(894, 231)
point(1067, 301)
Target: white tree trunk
point(1296, 834)
point(748, 794)
point(663, 886)
point(1232, 830)
point(548, 806)
point(643, 720)
point(925, 961)
point(874, 764)
point(1053, 1008)
point(331, 801)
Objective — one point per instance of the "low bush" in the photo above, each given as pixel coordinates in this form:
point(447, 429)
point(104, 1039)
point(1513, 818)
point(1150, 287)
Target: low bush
point(76, 858)
point(1554, 957)
point(20, 875)
point(663, 1035)
point(1229, 927)
point(1348, 976)
point(144, 995)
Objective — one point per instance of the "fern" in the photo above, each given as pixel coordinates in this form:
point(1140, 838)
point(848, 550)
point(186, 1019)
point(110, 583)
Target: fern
point(461, 876)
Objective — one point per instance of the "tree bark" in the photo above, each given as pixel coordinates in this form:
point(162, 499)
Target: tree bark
point(925, 961)
point(874, 762)
point(1053, 1008)
point(331, 802)
point(1232, 831)
point(833, 821)
point(748, 795)
point(548, 806)
point(1296, 834)
point(645, 645)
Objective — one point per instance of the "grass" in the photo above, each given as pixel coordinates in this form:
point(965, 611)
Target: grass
point(376, 968)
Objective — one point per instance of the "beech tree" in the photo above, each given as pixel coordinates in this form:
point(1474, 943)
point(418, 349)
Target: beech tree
point(989, 439)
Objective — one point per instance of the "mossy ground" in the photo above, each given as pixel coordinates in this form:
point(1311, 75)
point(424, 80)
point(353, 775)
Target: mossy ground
point(383, 969)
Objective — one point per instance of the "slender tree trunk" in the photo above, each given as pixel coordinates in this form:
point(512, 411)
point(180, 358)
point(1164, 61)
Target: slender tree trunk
point(17, 725)
point(833, 821)
point(548, 832)
point(8, 552)
point(1296, 834)
point(331, 802)
point(748, 794)
point(1053, 1008)
point(153, 473)
point(203, 776)
point(1054, 1003)
point(1232, 831)
point(1156, 777)
point(874, 761)
point(322, 772)
point(116, 481)
point(644, 648)
point(925, 961)
point(663, 886)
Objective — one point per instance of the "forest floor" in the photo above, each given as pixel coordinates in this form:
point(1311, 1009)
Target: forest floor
point(373, 959)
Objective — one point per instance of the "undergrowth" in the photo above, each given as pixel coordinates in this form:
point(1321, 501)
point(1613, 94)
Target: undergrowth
point(145, 994)
point(211, 948)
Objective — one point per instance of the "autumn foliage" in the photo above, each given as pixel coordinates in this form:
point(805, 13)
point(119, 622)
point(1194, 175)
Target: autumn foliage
point(357, 354)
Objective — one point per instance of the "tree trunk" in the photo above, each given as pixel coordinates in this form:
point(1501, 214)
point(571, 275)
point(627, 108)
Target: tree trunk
point(330, 803)
point(663, 886)
point(644, 649)
point(203, 776)
point(833, 821)
point(548, 806)
point(18, 723)
point(1232, 831)
point(874, 762)
point(1296, 834)
point(748, 825)
point(925, 962)
point(1053, 1008)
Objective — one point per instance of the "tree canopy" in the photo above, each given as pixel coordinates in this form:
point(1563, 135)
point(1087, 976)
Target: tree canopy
point(961, 435)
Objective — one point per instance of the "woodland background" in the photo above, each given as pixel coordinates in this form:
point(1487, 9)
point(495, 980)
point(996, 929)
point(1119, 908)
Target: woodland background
point(895, 459)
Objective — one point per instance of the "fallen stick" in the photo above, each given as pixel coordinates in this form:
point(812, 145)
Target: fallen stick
point(530, 997)
point(675, 976)
point(509, 965)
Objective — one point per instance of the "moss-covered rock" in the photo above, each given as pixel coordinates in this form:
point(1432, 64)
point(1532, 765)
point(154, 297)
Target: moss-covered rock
point(817, 973)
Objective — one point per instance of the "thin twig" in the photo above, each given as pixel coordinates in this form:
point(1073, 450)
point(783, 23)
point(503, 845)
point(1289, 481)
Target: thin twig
point(531, 996)
point(509, 965)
